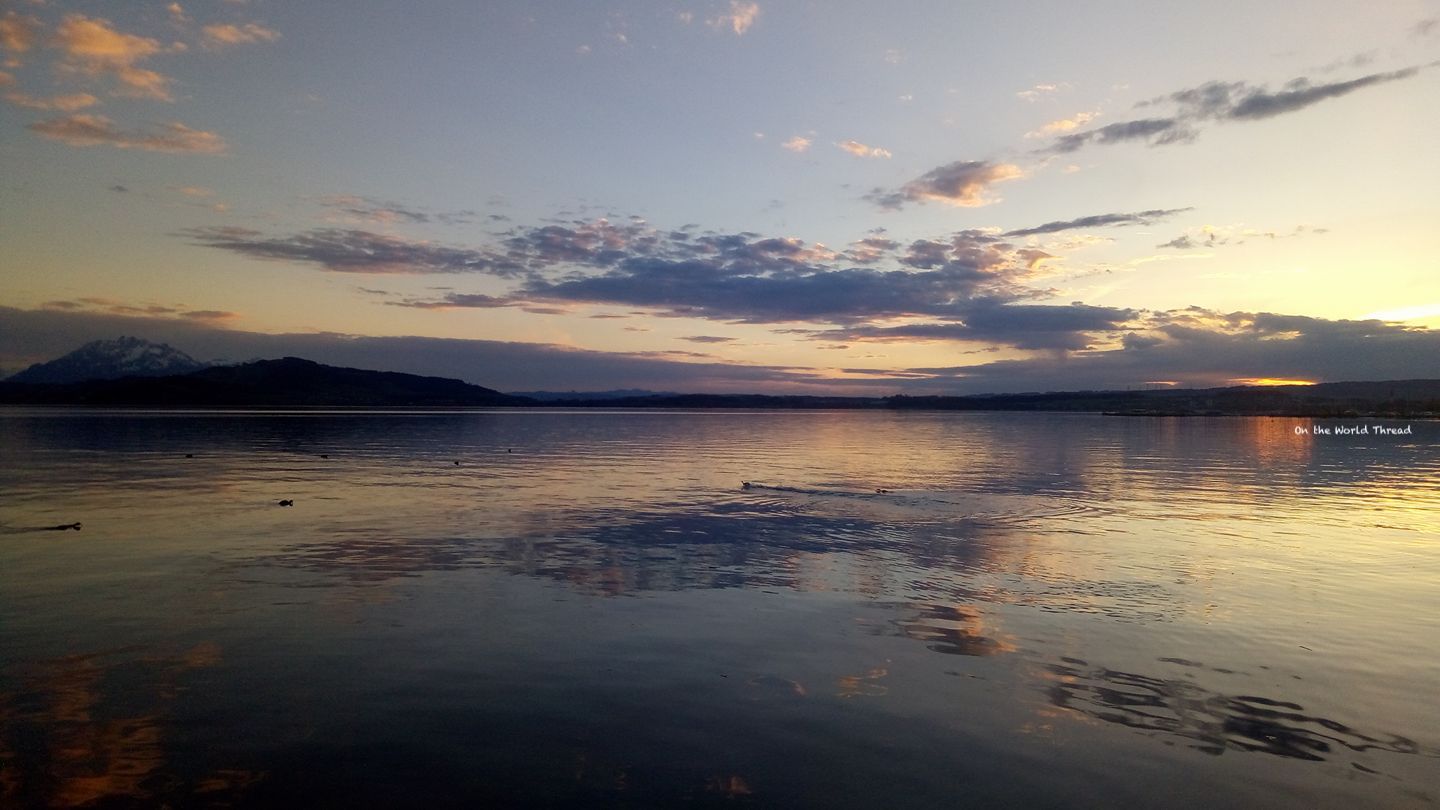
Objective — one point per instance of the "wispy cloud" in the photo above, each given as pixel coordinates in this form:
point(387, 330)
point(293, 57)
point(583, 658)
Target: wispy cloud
point(962, 183)
point(862, 150)
point(1041, 90)
point(69, 102)
point(111, 306)
point(1100, 220)
point(90, 46)
point(1024, 326)
point(1062, 125)
point(742, 15)
point(371, 210)
point(353, 251)
point(1209, 236)
point(98, 130)
point(797, 143)
point(457, 301)
point(18, 34)
point(1195, 107)
point(226, 34)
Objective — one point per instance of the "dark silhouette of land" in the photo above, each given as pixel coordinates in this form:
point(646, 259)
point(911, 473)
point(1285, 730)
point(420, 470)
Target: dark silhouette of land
point(295, 383)
point(286, 383)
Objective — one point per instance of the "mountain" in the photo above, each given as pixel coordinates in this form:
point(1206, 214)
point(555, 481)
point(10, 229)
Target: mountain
point(587, 396)
point(111, 360)
point(286, 383)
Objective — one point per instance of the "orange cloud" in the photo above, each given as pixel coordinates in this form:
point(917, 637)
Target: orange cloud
point(861, 150)
point(97, 130)
point(797, 143)
point(17, 35)
point(93, 48)
point(65, 103)
point(742, 15)
point(219, 36)
point(962, 184)
point(1063, 125)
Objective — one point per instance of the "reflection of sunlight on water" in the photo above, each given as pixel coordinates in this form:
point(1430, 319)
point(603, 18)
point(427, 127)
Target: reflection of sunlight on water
point(1001, 543)
point(62, 745)
point(863, 685)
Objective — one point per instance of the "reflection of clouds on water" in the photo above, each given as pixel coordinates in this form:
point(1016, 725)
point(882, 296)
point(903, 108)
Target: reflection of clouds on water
point(863, 685)
point(739, 543)
point(952, 629)
point(1212, 722)
point(71, 735)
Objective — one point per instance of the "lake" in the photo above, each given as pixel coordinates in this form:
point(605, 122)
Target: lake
point(589, 609)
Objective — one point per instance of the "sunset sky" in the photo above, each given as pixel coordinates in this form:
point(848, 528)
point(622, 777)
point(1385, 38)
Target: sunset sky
point(730, 196)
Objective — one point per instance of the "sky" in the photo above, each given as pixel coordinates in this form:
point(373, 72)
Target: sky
point(731, 196)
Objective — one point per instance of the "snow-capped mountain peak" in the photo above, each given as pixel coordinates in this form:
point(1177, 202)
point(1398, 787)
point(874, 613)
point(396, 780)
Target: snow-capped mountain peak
point(112, 359)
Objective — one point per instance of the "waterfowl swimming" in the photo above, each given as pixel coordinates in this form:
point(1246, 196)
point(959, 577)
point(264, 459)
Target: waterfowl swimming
point(287, 502)
point(879, 491)
point(64, 527)
point(746, 485)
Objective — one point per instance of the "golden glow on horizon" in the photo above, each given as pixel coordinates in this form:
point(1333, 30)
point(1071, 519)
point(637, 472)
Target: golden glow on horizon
point(1263, 381)
point(1423, 311)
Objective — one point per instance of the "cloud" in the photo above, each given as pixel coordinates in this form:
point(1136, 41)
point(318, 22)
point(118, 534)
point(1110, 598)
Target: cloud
point(17, 35)
point(742, 15)
point(1209, 236)
point(1220, 102)
point(110, 306)
point(1023, 326)
point(861, 150)
point(64, 103)
point(797, 143)
point(1301, 93)
point(1040, 90)
point(1100, 220)
point(91, 47)
point(382, 212)
point(343, 250)
point(1426, 27)
point(870, 250)
point(741, 277)
point(1158, 131)
point(223, 35)
point(1058, 126)
point(962, 183)
point(457, 301)
point(708, 339)
point(6, 79)
point(97, 130)
point(177, 14)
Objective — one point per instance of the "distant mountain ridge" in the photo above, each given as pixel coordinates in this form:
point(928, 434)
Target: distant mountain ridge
point(111, 360)
point(619, 393)
point(290, 382)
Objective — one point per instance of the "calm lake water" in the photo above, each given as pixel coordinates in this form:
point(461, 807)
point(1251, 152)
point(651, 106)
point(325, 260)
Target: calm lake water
point(561, 608)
